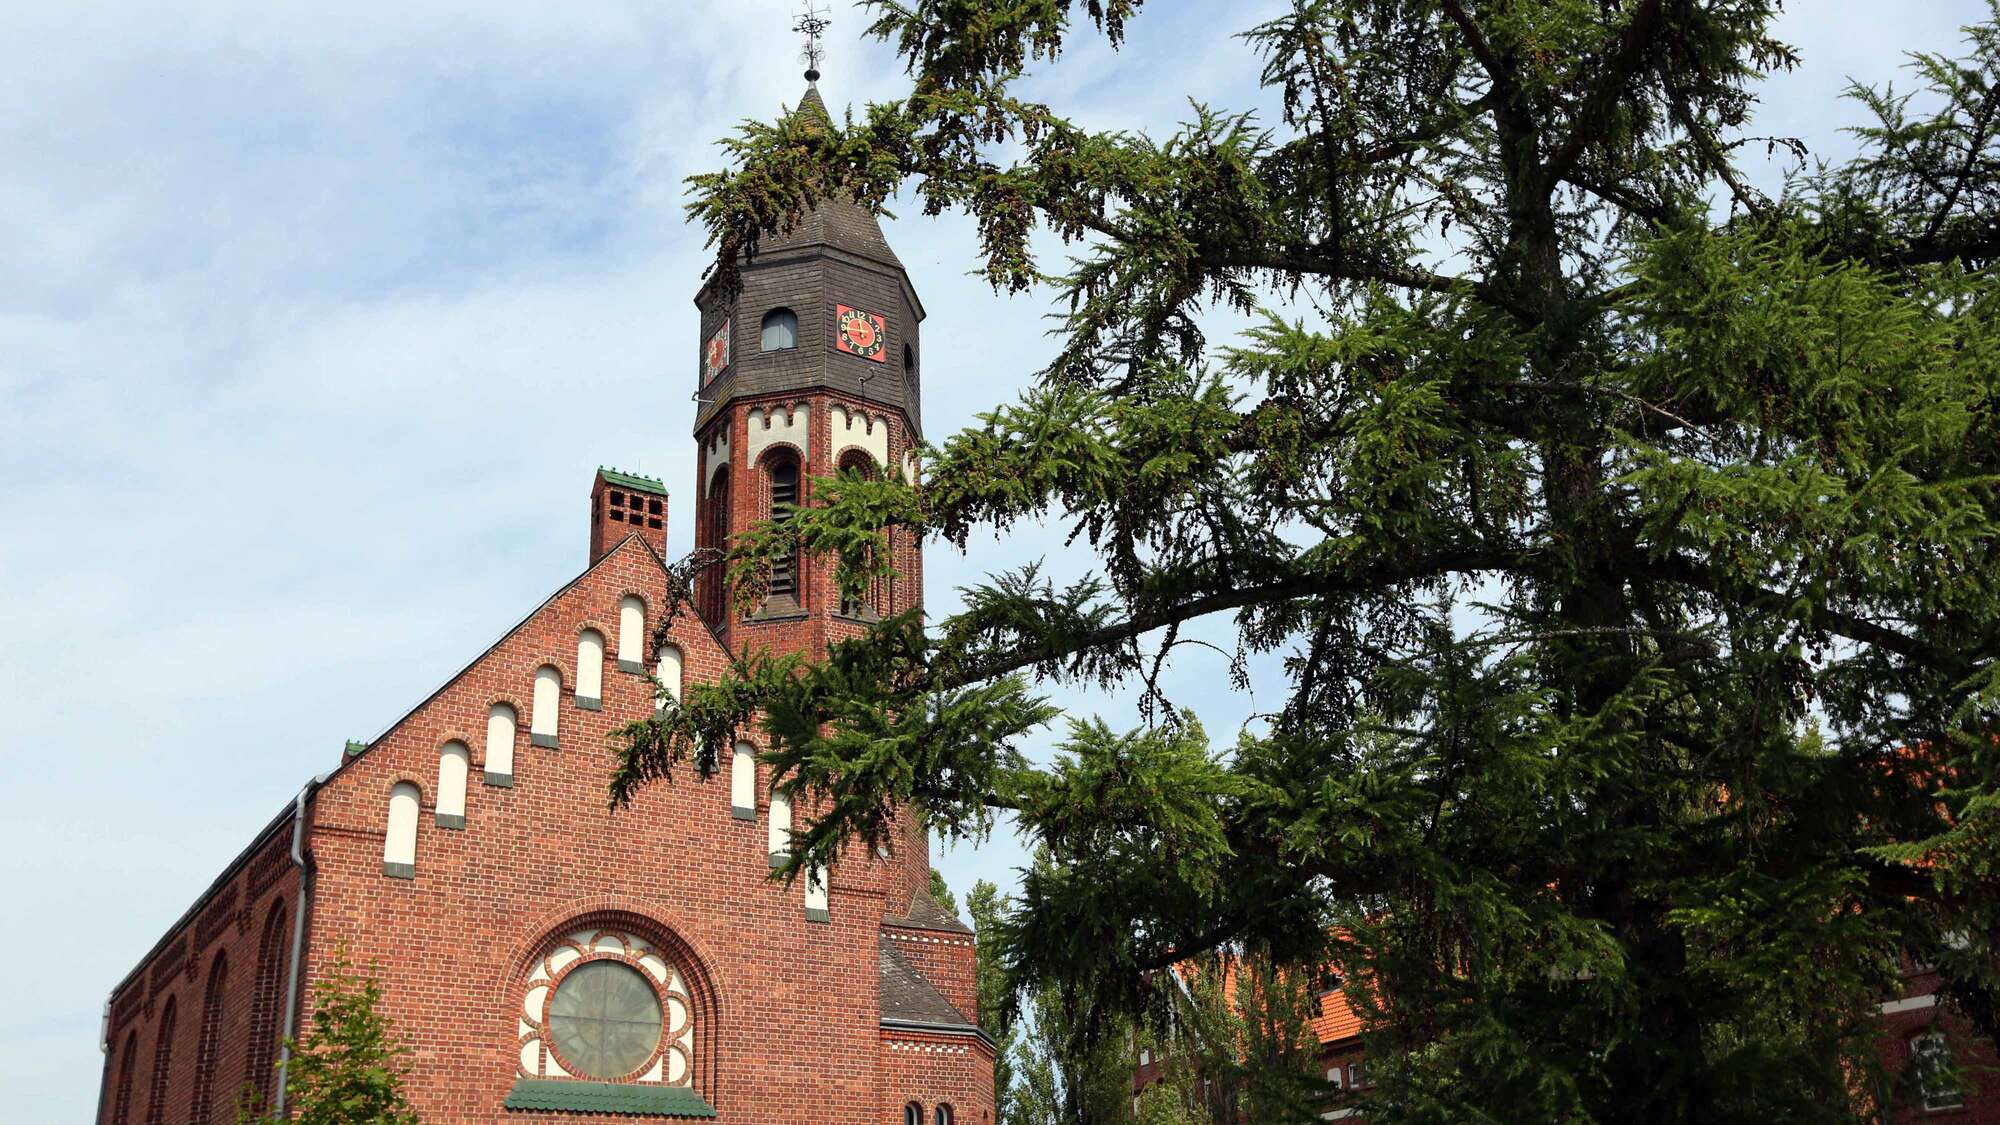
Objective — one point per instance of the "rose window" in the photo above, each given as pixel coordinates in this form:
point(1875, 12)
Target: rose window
point(605, 1004)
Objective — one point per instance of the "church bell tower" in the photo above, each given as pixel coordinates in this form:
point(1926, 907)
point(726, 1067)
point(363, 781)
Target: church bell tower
point(809, 368)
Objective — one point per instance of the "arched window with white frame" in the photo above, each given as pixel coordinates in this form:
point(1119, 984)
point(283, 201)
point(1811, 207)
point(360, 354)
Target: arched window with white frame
point(743, 782)
point(399, 841)
point(590, 670)
point(913, 1114)
point(632, 635)
point(548, 699)
point(500, 720)
point(454, 765)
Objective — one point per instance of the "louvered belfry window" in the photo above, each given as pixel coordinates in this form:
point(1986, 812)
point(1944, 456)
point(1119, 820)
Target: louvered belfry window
point(784, 493)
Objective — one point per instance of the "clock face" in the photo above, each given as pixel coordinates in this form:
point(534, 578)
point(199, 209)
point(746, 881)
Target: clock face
point(715, 354)
point(860, 333)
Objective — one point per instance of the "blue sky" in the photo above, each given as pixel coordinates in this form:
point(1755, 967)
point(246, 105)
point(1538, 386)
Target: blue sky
point(315, 321)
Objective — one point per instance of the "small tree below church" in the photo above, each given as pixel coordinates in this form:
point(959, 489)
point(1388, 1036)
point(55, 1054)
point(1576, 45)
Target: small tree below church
point(349, 1068)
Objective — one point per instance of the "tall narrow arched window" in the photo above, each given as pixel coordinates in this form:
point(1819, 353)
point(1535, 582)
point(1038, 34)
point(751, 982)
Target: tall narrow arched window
point(500, 719)
point(163, 1066)
point(668, 672)
point(209, 1043)
point(743, 782)
point(784, 493)
point(711, 593)
point(548, 698)
point(781, 330)
point(454, 764)
point(128, 1061)
point(781, 828)
point(941, 1115)
point(259, 1073)
point(913, 1114)
point(399, 842)
point(632, 635)
point(871, 601)
point(590, 670)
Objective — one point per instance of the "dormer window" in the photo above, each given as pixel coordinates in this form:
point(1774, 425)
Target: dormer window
point(781, 330)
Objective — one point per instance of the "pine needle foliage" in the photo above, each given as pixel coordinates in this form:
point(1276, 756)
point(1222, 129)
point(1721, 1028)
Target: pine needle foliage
point(1628, 536)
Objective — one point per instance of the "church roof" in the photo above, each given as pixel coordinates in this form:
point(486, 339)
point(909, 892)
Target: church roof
point(837, 222)
point(909, 998)
point(925, 914)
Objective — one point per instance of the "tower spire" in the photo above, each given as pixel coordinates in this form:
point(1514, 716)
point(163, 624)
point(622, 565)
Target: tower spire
point(812, 23)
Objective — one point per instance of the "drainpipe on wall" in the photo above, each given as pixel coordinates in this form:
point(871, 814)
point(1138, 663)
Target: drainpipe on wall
point(104, 1047)
point(303, 861)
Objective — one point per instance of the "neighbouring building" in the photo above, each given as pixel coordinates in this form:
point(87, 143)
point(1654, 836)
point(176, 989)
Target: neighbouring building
point(1920, 1040)
point(546, 957)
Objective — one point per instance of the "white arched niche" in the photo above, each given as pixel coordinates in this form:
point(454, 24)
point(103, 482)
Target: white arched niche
point(399, 842)
point(668, 671)
point(781, 828)
point(454, 763)
point(548, 697)
point(500, 720)
point(590, 670)
point(632, 635)
point(743, 782)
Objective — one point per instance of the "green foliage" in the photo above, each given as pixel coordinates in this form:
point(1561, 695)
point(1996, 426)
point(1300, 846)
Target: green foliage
point(941, 894)
point(986, 907)
point(1627, 538)
point(349, 1069)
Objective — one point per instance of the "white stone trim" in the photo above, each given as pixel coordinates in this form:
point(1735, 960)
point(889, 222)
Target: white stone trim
point(778, 423)
point(871, 437)
point(714, 455)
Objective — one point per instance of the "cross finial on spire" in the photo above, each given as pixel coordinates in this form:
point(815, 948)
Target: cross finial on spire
point(812, 22)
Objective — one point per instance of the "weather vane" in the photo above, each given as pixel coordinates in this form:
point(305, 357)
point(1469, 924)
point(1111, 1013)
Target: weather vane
point(812, 23)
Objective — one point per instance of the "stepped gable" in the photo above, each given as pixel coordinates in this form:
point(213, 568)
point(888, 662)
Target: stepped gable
point(907, 996)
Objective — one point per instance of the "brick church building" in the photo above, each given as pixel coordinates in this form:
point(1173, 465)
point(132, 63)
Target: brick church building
point(544, 957)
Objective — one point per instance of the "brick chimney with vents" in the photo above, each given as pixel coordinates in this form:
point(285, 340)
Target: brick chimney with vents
point(621, 503)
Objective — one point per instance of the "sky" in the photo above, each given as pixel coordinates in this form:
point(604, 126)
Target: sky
point(315, 322)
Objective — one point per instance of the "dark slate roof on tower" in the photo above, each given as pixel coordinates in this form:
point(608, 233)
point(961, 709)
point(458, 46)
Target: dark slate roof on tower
point(838, 222)
point(907, 996)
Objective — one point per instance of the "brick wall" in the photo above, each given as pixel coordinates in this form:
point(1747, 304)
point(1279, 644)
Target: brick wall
point(230, 928)
point(794, 1028)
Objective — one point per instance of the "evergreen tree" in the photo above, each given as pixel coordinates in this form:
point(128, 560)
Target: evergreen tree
point(349, 1069)
point(986, 906)
point(1628, 536)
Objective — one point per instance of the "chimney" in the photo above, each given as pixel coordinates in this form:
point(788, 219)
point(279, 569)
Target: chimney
point(622, 504)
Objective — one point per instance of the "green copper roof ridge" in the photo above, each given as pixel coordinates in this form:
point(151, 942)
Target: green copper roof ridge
point(632, 480)
point(631, 1098)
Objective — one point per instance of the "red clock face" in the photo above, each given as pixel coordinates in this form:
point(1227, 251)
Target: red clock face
point(861, 333)
point(715, 354)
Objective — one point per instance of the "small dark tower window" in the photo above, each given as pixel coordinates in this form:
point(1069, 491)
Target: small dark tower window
point(784, 492)
point(781, 330)
point(909, 360)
